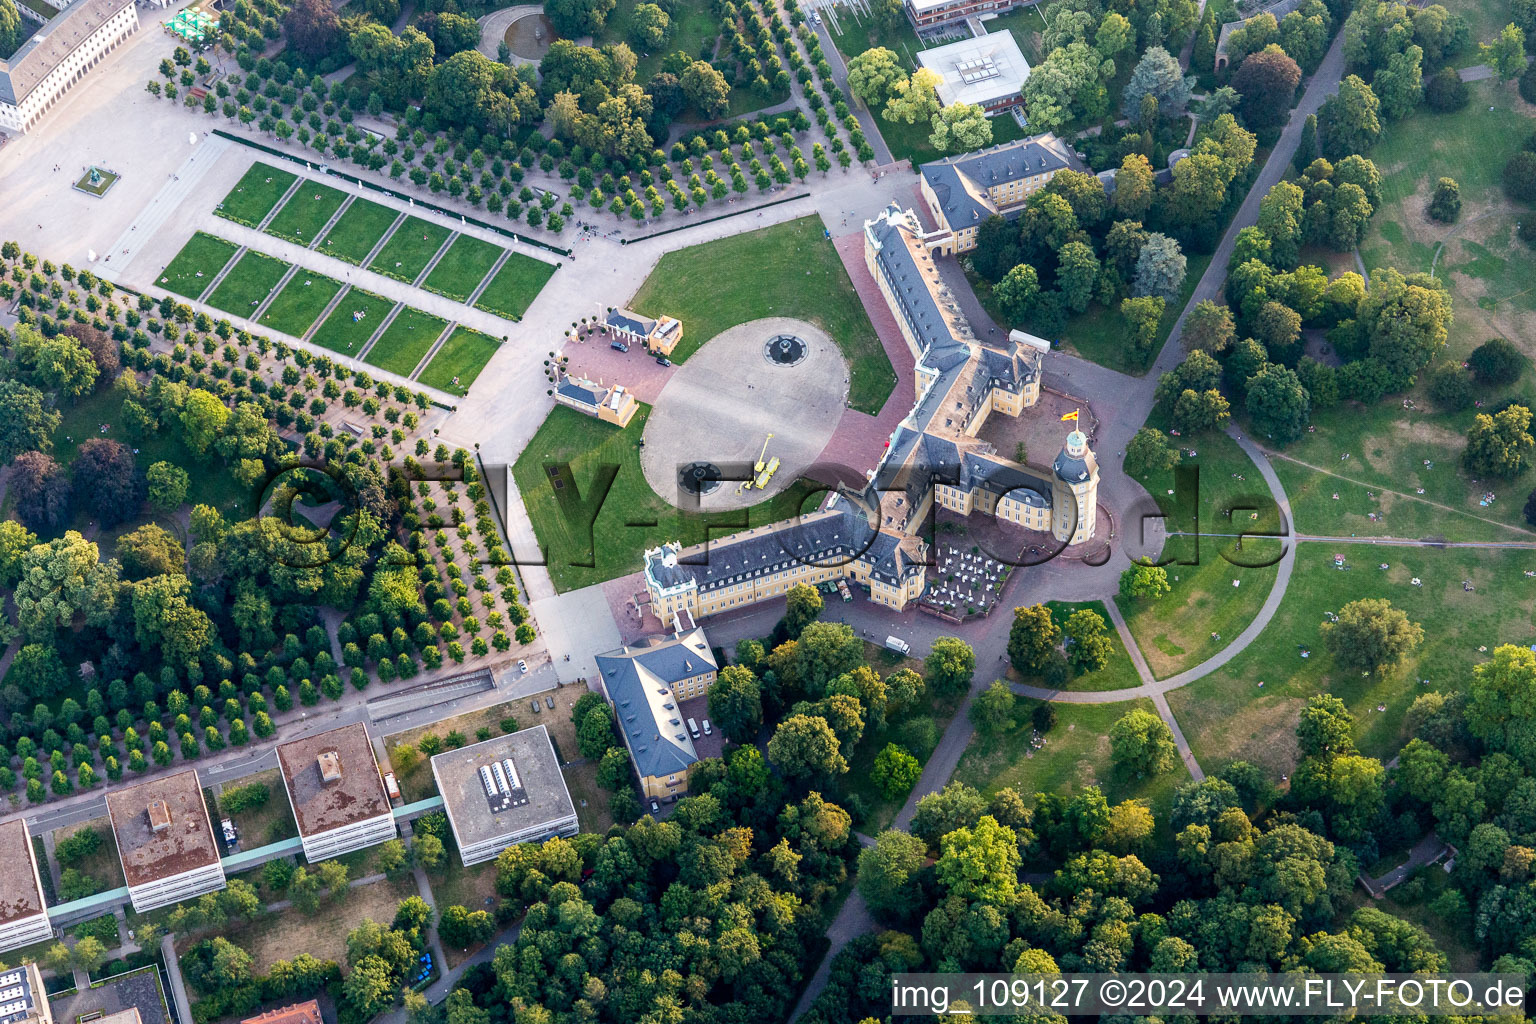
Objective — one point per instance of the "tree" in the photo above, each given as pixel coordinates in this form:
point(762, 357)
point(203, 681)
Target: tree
point(1501, 710)
point(915, 99)
point(895, 771)
point(805, 748)
point(370, 987)
point(89, 954)
point(1139, 581)
point(428, 849)
point(981, 864)
point(150, 551)
point(167, 486)
point(1159, 268)
point(41, 491)
point(15, 541)
point(594, 733)
point(1267, 82)
point(992, 710)
point(1445, 201)
point(1500, 445)
point(650, 27)
point(574, 18)
point(736, 704)
point(1281, 213)
point(1278, 403)
point(1087, 639)
point(312, 28)
point(1077, 273)
point(1349, 121)
point(1144, 315)
point(1158, 75)
point(1400, 85)
point(1446, 92)
point(950, 665)
point(10, 26)
point(960, 128)
point(1208, 328)
point(1141, 742)
point(108, 481)
point(705, 87)
point(1032, 638)
point(802, 607)
point(59, 363)
point(202, 420)
point(27, 421)
point(37, 673)
point(1506, 54)
point(1520, 177)
point(1496, 363)
point(1134, 186)
point(1068, 83)
point(1016, 292)
point(888, 873)
point(1370, 635)
point(1325, 727)
point(461, 928)
point(872, 76)
point(1149, 452)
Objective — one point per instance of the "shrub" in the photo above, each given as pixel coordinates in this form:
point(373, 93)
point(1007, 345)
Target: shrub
point(1445, 201)
point(1446, 91)
point(1496, 362)
point(1520, 177)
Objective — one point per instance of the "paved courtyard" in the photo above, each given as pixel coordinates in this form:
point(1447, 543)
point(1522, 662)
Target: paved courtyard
point(721, 405)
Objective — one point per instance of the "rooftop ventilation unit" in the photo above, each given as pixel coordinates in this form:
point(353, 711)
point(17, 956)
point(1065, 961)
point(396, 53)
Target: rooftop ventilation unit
point(159, 816)
point(330, 766)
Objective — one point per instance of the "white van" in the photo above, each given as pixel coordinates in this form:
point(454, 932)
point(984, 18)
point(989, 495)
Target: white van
point(707, 729)
point(896, 643)
point(693, 727)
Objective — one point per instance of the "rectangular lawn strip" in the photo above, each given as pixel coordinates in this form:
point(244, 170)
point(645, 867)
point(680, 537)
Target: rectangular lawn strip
point(462, 267)
point(358, 230)
point(462, 356)
point(568, 437)
point(405, 341)
point(294, 309)
point(248, 283)
point(409, 249)
point(515, 285)
point(1227, 715)
point(102, 866)
point(198, 263)
point(306, 212)
point(255, 194)
point(269, 823)
point(786, 270)
point(340, 333)
point(1075, 756)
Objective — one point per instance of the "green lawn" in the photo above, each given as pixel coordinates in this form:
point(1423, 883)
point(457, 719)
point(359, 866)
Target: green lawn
point(515, 286)
point(462, 267)
point(632, 517)
point(1026, 24)
point(786, 270)
point(1074, 757)
point(341, 333)
point(462, 356)
point(693, 26)
point(198, 263)
point(409, 249)
point(248, 283)
point(405, 341)
point(860, 34)
point(1227, 715)
point(300, 303)
point(307, 212)
point(353, 237)
point(255, 194)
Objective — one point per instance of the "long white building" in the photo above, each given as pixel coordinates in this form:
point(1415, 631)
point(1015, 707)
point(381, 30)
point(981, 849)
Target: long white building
point(165, 841)
point(336, 791)
point(58, 56)
point(23, 911)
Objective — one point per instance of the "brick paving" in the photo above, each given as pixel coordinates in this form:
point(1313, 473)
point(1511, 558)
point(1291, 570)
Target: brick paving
point(593, 357)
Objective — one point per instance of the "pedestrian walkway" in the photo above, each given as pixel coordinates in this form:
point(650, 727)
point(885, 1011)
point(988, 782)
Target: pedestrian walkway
point(172, 198)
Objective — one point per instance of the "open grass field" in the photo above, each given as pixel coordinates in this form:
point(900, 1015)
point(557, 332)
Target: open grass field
point(269, 823)
point(409, 249)
point(306, 213)
point(632, 518)
point(1026, 24)
point(198, 263)
point(357, 231)
point(1175, 632)
point(282, 935)
point(862, 33)
point(1075, 756)
point(694, 30)
point(1227, 715)
point(407, 338)
point(294, 309)
point(786, 270)
point(461, 358)
point(581, 780)
point(255, 194)
point(462, 267)
point(515, 286)
point(341, 333)
point(248, 283)
point(103, 865)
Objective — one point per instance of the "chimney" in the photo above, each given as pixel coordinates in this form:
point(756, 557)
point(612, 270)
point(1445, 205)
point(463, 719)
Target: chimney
point(330, 767)
point(159, 816)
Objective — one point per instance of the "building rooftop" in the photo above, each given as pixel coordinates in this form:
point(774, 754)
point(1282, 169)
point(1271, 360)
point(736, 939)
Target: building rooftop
point(162, 828)
point(961, 182)
point(534, 790)
point(52, 44)
point(299, 1013)
point(639, 681)
point(21, 894)
point(356, 790)
point(22, 995)
point(136, 991)
point(979, 70)
point(629, 320)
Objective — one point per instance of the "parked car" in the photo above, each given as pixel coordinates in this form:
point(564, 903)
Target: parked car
point(619, 346)
point(693, 728)
point(655, 806)
point(534, 704)
point(663, 361)
point(707, 729)
point(550, 701)
point(522, 666)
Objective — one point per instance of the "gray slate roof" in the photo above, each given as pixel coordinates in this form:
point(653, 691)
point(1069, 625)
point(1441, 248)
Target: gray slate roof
point(51, 45)
point(961, 182)
point(639, 682)
point(578, 393)
point(630, 321)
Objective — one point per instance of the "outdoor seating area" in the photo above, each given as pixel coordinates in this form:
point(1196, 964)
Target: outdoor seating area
point(965, 582)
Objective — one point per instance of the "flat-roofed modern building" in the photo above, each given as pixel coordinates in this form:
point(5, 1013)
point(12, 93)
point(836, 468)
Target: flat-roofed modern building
point(987, 71)
point(504, 791)
point(23, 999)
point(336, 791)
point(165, 841)
point(928, 16)
point(23, 909)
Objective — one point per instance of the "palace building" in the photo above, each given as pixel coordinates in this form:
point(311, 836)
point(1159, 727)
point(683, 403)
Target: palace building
point(59, 55)
point(872, 535)
point(963, 191)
